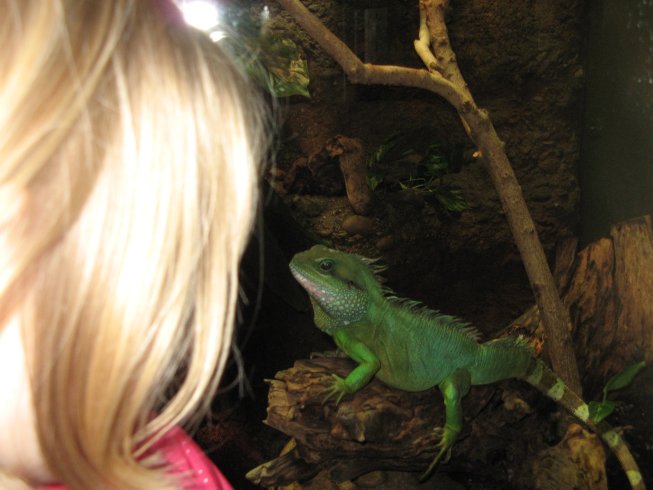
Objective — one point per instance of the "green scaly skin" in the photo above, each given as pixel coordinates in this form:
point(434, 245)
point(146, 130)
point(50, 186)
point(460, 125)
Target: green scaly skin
point(414, 349)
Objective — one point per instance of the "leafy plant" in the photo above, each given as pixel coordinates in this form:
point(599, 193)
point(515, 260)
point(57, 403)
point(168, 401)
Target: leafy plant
point(282, 69)
point(427, 169)
point(389, 150)
point(601, 409)
point(274, 62)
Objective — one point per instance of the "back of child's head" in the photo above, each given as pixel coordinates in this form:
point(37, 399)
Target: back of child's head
point(128, 145)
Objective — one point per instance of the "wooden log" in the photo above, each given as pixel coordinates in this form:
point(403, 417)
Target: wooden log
point(608, 288)
point(319, 175)
point(353, 165)
point(378, 428)
point(381, 428)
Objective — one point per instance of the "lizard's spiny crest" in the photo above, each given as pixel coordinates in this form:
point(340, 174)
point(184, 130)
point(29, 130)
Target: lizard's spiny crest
point(418, 307)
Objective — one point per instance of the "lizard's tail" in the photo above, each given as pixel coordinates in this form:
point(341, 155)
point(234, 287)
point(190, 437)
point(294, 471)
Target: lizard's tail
point(542, 378)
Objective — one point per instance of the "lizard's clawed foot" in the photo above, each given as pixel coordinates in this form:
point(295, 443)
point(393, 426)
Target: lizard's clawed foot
point(447, 438)
point(338, 389)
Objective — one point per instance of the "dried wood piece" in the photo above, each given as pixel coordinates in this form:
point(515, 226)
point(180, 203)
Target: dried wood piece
point(608, 288)
point(578, 461)
point(284, 470)
point(633, 250)
point(379, 428)
point(354, 169)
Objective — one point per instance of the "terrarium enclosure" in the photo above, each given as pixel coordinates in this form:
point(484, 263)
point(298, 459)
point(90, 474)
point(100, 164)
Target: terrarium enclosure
point(409, 172)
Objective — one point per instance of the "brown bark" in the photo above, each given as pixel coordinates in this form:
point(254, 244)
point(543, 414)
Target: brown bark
point(353, 166)
point(379, 428)
point(442, 77)
point(608, 288)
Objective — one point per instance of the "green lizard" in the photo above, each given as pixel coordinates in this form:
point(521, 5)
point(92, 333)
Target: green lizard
point(412, 348)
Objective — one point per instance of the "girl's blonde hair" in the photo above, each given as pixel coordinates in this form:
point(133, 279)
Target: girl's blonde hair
point(134, 144)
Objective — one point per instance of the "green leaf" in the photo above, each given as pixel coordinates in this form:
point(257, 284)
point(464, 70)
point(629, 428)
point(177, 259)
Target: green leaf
point(624, 378)
point(450, 199)
point(600, 410)
point(285, 87)
point(381, 152)
point(386, 150)
point(274, 62)
point(288, 71)
point(373, 181)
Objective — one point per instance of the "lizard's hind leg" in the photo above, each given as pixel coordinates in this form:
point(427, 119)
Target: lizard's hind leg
point(453, 389)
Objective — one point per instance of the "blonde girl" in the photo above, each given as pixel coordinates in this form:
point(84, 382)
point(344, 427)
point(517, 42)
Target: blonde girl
point(128, 154)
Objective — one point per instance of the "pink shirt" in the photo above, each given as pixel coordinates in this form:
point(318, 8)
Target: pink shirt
point(185, 457)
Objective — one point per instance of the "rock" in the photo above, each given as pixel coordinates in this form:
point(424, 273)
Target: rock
point(386, 242)
point(357, 225)
point(307, 206)
point(371, 480)
point(411, 196)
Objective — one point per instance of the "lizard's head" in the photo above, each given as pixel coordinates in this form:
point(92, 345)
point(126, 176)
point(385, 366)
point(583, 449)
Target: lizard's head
point(340, 285)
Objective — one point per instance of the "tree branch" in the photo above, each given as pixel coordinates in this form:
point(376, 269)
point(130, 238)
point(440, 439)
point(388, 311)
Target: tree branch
point(423, 43)
point(443, 77)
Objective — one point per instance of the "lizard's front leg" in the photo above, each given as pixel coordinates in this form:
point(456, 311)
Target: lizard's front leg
point(453, 389)
point(368, 365)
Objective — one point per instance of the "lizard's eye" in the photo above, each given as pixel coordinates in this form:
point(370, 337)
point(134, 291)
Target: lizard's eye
point(327, 265)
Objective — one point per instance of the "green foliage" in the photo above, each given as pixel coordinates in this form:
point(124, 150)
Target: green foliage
point(428, 166)
point(274, 62)
point(389, 150)
point(282, 69)
point(602, 409)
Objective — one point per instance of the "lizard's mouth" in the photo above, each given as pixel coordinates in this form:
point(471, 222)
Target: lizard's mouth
point(318, 293)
